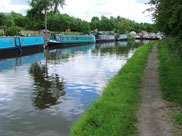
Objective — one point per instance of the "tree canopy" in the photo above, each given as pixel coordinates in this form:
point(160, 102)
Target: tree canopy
point(42, 10)
point(167, 15)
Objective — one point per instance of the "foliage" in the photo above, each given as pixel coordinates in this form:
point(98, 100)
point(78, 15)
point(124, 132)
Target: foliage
point(120, 25)
point(1, 33)
point(12, 30)
point(19, 19)
point(169, 74)
point(178, 118)
point(60, 22)
point(2, 19)
point(167, 15)
point(124, 26)
point(113, 114)
point(95, 23)
point(34, 20)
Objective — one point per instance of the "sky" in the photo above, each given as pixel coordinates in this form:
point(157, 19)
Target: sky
point(86, 9)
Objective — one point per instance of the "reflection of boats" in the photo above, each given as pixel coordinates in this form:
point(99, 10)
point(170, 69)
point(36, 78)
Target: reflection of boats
point(12, 62)
point(18, 46)
point(108, 44)
point(122, 43)
point(55, 54)
point(67, 40)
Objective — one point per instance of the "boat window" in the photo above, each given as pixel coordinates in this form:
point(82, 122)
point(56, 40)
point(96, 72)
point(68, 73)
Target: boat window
point(57, 38)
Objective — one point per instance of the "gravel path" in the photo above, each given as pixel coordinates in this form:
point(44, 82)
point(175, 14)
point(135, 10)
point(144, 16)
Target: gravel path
point(153, 117)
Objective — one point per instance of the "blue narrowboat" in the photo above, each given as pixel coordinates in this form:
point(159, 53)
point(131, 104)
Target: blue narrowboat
point(18, 46)
point(67, 40)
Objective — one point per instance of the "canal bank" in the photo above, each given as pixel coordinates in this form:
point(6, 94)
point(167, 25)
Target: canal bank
point(114, 113)
point(170, 81)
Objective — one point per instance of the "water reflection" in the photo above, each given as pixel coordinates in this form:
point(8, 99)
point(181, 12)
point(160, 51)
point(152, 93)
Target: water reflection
point(66, 53)
point(45, 96)
point(47, 89)
point(119, 48)
point(10, 63)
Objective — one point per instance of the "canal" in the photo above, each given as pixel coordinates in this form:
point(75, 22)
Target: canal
point(43, 94)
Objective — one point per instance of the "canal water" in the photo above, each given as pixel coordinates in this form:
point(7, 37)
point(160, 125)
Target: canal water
point(43, 94)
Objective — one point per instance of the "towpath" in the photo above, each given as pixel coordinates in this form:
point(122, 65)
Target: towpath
point(153, 116)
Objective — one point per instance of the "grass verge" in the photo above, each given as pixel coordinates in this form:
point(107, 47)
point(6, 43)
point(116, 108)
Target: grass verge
point(178, 118)
point(170, 75)
point(114, 113)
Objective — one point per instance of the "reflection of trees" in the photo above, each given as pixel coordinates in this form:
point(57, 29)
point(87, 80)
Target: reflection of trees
point(47, 89)
point(119, 48)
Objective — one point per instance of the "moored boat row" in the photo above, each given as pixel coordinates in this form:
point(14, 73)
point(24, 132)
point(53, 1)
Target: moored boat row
point(24, 45)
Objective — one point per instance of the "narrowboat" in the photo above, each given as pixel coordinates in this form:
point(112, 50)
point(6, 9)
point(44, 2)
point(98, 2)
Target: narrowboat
point(123, 37)
point(68, 40)
point(18, 46)
point(104, 38)
point(150, 36)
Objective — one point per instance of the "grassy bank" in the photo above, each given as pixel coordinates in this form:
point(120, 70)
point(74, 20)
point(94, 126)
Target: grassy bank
point(170, 77)
point(114, 113)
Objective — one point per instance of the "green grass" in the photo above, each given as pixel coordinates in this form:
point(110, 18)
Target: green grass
point(170, 75)
point(178, 118)
point(114, 113)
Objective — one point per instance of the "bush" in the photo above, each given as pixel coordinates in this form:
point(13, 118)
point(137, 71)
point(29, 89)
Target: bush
point(174, 45)
point(170, 73)
point(178, 118)
point(12, 31)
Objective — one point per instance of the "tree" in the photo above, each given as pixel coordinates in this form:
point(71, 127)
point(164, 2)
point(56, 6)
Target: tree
point(124, 26)
point(167, 15)
point(56, 4)
point(95, 22)
point(40, 7)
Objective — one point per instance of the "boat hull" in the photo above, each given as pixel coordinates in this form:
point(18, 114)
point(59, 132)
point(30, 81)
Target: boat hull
point(65, 45)
point(104, 41)
point(126, 39)
point(15, 51)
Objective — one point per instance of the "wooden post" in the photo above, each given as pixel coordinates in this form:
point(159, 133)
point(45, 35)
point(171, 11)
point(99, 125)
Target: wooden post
point(45, 27)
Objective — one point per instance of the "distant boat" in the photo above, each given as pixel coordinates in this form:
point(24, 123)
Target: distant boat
point(67, 40)
point(104, 38)
point(17, 46)
point(122, 37)
point(150, 36)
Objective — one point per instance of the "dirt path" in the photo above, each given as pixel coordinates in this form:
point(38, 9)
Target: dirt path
point(153, 116)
